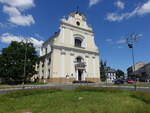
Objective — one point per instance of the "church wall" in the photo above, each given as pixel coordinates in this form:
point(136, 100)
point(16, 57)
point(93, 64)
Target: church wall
point(97, 66)
point(56, 59)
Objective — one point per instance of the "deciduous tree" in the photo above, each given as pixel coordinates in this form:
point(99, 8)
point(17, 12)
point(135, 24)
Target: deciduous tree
point(12, 62)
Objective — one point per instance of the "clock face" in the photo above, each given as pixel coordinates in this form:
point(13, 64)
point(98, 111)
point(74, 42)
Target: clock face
point(78, 23)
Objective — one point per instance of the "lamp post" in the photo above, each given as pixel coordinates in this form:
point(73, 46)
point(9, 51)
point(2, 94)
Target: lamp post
point(131, 39)
point(25, 59)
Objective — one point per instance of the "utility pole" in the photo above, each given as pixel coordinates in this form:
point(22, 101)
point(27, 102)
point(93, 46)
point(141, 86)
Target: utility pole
point(25, 59)
point(131, 39)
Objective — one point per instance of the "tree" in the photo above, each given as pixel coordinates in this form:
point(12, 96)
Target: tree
point(102, 71)
point(119, 74)
point(12, 62)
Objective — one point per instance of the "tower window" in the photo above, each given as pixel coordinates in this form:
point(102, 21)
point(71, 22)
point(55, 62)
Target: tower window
point(78, 42)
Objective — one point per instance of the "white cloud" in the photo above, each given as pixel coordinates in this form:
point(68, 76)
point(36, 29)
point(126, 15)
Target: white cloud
point(7, 25)
point(21, 4)
point(109, 40)
point(119, 4)
point(8, 38)
point(93, 2)
point(11, 11)
point(22, 20)
point(122, 41)
point(15, 8)
point(144, 9)
point(138, 11)
point(120, 47)
point(115, 17)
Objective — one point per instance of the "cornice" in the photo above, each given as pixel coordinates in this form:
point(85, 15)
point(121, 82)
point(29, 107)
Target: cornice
point(75, 49)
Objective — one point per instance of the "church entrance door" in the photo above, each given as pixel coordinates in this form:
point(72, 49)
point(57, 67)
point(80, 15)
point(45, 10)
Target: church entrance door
point(80, 72)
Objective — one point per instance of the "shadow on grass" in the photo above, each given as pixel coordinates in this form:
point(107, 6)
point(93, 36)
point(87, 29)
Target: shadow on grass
point(96, 89)
point(142, 96)
point(28, 92)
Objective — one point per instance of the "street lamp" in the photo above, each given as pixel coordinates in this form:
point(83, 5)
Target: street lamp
point(25, 58)
point(131, 39)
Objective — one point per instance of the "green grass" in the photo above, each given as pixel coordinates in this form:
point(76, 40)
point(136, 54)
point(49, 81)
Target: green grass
point(8, 86)
point(36, 83)
point(138, 84)
point(5, 86)
point(80, 100)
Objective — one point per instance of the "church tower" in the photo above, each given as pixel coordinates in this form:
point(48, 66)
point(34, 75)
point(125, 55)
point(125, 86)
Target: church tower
point(71, 54)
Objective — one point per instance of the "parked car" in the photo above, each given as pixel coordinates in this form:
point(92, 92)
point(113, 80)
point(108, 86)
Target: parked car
point(119, 81)
point(130, 81)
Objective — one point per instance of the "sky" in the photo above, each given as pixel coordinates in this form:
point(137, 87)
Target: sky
point(112, 22)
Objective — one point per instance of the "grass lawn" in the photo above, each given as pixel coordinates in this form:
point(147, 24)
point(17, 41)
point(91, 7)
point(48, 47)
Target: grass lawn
point(3, 86)
point(80, 100)
point(138, 84)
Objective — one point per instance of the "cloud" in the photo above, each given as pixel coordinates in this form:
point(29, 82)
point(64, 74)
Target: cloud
point(119, 4)
point(11, 11)
point(7, 38)
point(15, 9)
point(109, 40)
point(138, 11)
point(112, 17)
point(7, 25)
point(16, 17)
point(93, 2)
point(144, 9)
point(22, 20)
point(122, 41)
point(21, 4)
point(120, 47)
point(119, 43)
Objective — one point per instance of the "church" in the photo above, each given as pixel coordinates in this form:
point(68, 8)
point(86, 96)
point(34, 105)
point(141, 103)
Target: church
point(70, 54)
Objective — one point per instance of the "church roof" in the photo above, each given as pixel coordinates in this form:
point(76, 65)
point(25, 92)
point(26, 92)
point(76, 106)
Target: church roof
point(52, 37)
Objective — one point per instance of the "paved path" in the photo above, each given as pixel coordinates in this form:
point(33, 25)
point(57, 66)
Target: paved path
point(73, 86)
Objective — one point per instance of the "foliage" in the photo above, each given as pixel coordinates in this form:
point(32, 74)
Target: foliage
point(102, 70)
point(120, 74)
point(12, 62)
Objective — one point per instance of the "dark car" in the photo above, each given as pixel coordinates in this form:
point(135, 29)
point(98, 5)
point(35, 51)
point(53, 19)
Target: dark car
point(119, 81)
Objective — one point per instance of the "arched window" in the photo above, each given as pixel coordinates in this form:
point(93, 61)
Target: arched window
point(79, 59)
point(78, 42)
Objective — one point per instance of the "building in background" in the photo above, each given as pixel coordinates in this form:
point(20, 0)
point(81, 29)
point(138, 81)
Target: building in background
point(142, 71)
point(137, 67)
point(110, 74)
point(71, 54)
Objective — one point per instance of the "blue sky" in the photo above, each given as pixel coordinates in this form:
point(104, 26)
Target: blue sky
point(112, 21)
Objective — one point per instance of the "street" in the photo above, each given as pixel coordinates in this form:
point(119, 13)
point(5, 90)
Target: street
point(72, 86)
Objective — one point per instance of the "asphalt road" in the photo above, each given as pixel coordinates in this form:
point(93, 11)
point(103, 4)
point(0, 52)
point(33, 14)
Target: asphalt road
point(68, 87)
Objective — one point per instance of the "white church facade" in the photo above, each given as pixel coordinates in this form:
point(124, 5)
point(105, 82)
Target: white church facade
point(71, 54)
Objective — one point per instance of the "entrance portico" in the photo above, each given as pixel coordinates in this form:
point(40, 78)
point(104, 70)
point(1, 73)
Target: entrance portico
point(80, 71)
